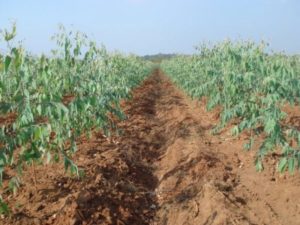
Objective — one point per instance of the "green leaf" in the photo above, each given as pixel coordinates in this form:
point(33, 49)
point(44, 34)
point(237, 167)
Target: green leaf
point(3, 207)
point(249, 145)
point(258, 165)
point(9, 36)
point(13, 185)
point(48, 157)
point(74, 170)
point(39, 109)
point(7, 63)
point(81, 173)
point(235, 131)
point(38, 134)
point(56, 158)
point(73, 146)
point(62, 107)
point(1, 175)
point(270, 126)
point(291, 164)
point(67, 163)
point(282, 164)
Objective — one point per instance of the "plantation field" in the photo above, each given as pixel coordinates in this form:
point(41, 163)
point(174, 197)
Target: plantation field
point(93, 137)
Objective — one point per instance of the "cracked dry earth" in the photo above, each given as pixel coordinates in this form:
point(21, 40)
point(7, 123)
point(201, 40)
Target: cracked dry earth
point(165, 168)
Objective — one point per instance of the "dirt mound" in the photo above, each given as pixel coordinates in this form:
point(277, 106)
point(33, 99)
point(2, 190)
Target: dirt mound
point(164, 168)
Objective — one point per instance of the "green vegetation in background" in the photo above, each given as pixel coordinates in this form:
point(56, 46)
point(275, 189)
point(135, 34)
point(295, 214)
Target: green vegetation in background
point(252, 87)
point(158, 58)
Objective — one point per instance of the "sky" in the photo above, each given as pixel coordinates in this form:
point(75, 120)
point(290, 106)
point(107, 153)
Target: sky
point(156, 26)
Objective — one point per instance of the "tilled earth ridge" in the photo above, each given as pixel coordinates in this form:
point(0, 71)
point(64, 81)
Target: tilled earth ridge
point(164, 168)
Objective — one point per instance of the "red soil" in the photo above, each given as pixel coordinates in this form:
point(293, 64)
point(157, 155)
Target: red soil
point(165, 168)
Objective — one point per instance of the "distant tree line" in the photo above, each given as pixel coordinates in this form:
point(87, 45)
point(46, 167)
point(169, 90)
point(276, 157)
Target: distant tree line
point(157, 58)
